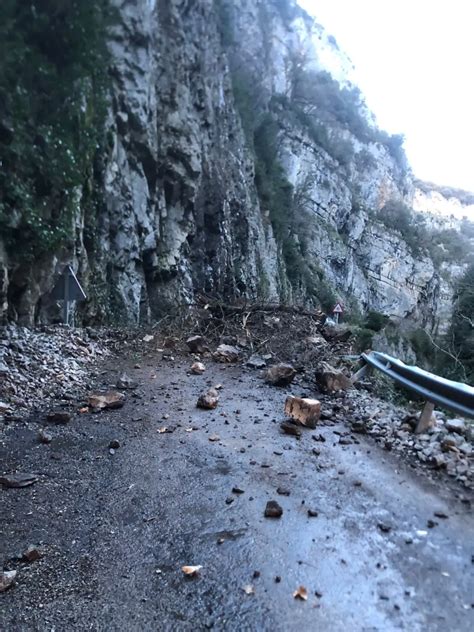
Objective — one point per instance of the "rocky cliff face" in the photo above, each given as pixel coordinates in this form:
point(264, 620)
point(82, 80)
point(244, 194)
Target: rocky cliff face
point(220, 176)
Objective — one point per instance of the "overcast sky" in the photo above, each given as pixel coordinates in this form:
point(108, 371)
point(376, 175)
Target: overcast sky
point(414, 61)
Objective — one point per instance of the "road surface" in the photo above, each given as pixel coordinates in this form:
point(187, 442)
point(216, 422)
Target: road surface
point(117, 528)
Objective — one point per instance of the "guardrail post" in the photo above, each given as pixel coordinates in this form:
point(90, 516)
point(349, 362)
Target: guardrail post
point(364, 370)
point(424, 421)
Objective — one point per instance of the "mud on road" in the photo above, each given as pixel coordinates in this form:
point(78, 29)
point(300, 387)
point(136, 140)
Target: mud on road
point(116, 527)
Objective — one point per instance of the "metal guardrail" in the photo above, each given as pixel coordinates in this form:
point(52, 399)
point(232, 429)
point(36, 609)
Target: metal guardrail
point(454, 396)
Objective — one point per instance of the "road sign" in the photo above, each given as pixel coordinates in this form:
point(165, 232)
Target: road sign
point(338, 309)
point(68, 289)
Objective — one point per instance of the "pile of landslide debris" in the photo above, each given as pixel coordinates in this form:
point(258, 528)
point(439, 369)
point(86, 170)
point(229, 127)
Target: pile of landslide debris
point(41, 365)
point(56, 368)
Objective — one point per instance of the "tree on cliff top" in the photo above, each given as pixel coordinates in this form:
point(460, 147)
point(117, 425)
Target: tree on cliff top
point(461, 332)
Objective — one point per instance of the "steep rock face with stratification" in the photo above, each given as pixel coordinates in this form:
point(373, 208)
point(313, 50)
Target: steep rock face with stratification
point(218, 178)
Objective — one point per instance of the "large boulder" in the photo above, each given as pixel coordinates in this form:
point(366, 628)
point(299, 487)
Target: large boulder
point(303, 410)
point(330, 379)
point(226, 353)
point(280, 374)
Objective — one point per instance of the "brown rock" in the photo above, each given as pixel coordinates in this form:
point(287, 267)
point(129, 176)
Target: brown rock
point(280, 374)
point(226, 353)
point(290, 428)
point(273, 510)
point(331, 379)
point(448, 444)
point(208, 400)
point(197, 344)
point(32, 553)
point(305, 411)
point(197, 368)
point(111, 400)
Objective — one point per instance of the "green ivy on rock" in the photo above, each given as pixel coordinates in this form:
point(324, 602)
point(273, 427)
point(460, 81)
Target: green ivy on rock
point(53, 87)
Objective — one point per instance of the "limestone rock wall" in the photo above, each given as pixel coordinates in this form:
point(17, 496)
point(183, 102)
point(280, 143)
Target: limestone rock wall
point(180, 213)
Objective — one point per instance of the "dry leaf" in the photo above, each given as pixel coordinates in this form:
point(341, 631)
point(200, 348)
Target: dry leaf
point(301, 593)
point(191, 570)
point(249, 589)
point(162, 430)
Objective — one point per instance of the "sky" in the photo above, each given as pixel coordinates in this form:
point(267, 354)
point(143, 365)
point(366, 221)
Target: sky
point(414, 63)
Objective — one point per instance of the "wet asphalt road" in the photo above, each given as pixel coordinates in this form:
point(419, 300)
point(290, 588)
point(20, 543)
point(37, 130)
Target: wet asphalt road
point(116, 529)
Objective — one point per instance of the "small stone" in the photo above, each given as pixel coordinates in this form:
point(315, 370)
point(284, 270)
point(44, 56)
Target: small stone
point(441, 514)
point(290, 428)
point(273, 510)
point(59, 417)
point(197, 344)
point(214, 437)
point(277, 579)
point(44, 436)
point(111, 400)
point(32, 553)
point(237, 490)
point(312, 513)
point(114, 444)
point(125, 381)
point(359, 427)
point(431, 524)
point(283, 491)
point(457, 426)
point(229, 500)
point(197, 368)
point(256, 362)
point(344, 441)
point(7, 579)
point(385, 528)
point(4, 408)
point(208, 400)
point(316, 452)
point(226, 353)
point(18, 480)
